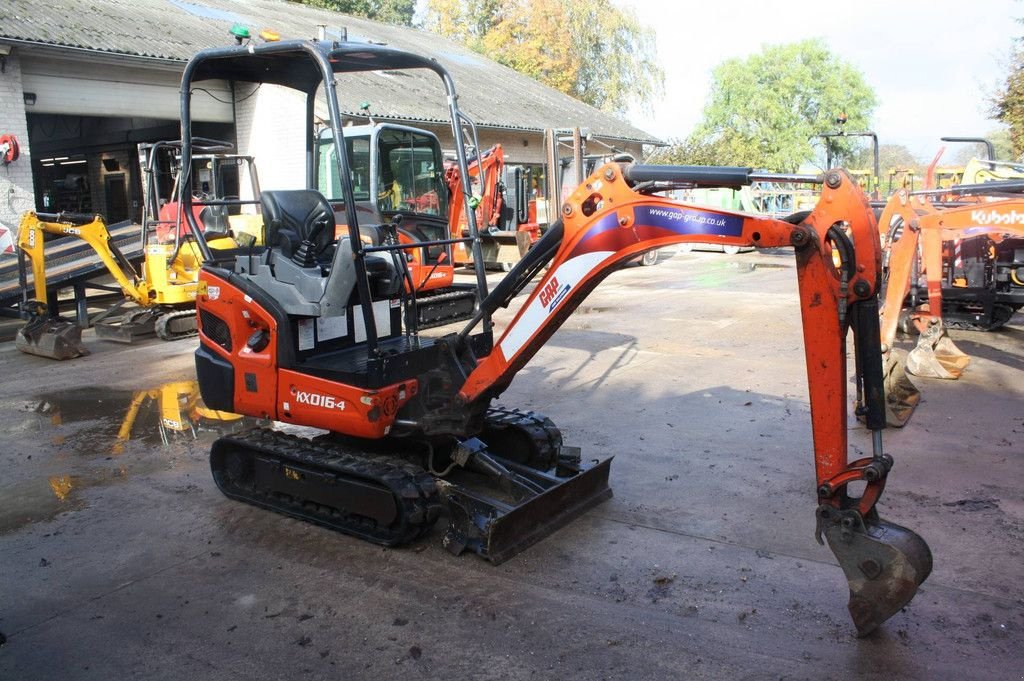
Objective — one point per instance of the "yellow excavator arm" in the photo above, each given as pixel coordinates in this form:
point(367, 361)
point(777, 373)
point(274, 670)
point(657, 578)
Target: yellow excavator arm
point(91, 229)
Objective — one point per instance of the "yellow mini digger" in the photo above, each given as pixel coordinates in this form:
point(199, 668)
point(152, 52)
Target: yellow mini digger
point(164, 288)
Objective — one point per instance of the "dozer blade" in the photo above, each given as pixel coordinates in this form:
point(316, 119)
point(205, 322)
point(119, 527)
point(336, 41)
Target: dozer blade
point(129, 327)
point(901, 395)
point(52, 338)
point(935, 355)
point(884, 563)
point(499, 529)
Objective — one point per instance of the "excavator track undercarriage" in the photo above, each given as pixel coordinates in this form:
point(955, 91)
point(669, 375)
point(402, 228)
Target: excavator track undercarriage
point(506, 494)
point(382, 499)
point(166, 323)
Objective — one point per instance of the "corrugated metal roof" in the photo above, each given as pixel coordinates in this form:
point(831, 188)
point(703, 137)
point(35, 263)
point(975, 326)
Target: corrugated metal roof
point(491, 94)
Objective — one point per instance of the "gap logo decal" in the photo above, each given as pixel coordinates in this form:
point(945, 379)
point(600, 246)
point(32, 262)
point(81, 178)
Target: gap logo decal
point(689, 221)
point(537, 311)
point(552, 293)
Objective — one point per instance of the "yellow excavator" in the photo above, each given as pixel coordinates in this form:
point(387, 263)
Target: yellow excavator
point(164, 288)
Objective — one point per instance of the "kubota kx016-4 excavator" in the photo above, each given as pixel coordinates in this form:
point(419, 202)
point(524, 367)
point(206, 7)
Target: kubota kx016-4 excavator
point(309, 331)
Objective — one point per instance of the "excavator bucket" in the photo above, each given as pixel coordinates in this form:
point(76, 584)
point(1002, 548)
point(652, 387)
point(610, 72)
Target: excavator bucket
point(497, 529)
point(935, 355)
point(129, 327)
point(884, 563)
point(901, 395)
point(52, 338)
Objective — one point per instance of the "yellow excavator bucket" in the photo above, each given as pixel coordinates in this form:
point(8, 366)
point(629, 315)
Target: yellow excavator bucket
point(52, 338)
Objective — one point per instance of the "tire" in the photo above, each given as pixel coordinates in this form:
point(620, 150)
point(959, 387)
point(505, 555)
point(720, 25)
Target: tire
point(731, 250)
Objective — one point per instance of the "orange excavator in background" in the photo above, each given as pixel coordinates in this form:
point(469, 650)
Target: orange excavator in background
point(979, 221)
point(486, 171)
point(399, 177)
point(309, 331)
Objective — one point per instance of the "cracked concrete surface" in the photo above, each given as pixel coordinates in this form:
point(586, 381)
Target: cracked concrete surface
point(119, 558)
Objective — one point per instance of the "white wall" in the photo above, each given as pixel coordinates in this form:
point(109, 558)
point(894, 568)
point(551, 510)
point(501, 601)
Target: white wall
point(94, 87)
point(16, 193)
point(269, 127)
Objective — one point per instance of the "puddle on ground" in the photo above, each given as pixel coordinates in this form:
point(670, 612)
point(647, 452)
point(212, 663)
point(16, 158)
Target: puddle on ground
point(99, 436)
point(92, 421)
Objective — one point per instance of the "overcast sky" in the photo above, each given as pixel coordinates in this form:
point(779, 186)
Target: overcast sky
point(931, 64)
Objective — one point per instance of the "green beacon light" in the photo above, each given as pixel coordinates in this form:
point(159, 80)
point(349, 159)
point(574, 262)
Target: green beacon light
point(240, 32)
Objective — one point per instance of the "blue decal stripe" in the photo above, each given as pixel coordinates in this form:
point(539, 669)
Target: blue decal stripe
point(689, 221)
point(610, 221)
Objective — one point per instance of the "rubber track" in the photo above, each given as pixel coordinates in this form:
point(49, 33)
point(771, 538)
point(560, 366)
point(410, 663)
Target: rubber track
point(413, 489)
point(164, 322)
point(1001, 314)
point(441, 297)
point(545, 434)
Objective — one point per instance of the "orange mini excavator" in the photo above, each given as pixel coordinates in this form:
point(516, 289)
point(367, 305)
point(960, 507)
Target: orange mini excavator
point(309, 330)
point(988, 216)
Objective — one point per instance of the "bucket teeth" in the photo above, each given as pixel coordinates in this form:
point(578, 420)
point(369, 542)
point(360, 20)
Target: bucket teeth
point(884, 563)
point(936, 356)
point(51, 338)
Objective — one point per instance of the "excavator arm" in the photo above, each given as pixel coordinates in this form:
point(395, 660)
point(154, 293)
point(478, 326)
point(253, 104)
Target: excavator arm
point(922, 226)
point(47, 336)
point(611, 219)
point(89, 228)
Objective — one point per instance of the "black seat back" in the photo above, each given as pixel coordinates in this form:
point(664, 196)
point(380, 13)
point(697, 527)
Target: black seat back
point(215, 221)
point(291, 215)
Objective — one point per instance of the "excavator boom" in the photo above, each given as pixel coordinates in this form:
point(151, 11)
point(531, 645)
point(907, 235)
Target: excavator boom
point(45, 335)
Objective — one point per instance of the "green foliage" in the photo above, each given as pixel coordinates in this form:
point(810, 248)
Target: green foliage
point(1008, 103)
point(1000, 139)
point(765, 110)
point(589, 49)
point(889, 156)
point(688, 152)
point(399, 12)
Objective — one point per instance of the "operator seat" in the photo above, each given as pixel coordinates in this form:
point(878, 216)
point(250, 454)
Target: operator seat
point(214, 220)
point(292, 215)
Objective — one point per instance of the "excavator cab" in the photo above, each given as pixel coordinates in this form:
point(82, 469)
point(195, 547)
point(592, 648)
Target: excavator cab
point(319, 328)
point(398, 178)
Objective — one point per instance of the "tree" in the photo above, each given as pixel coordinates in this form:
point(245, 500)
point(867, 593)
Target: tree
point(765, 110)
point(399, 12)
point(1000, 139)
point(1008, 103)
point(589, 49)
point(890, 156)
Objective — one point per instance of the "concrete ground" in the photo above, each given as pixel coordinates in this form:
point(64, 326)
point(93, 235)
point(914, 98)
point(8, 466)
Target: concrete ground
point(119, 559)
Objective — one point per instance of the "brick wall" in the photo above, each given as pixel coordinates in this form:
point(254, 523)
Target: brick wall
point(16, 193)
